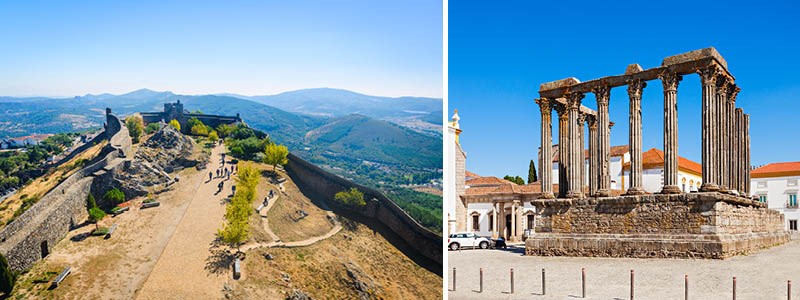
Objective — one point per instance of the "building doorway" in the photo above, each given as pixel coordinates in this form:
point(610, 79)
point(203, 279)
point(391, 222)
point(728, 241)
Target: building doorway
point(507, 230)
point(793, 225)
point(45, 249)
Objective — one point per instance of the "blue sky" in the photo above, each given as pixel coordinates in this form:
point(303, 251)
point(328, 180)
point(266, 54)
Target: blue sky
point(499, 54)
point(66, 48)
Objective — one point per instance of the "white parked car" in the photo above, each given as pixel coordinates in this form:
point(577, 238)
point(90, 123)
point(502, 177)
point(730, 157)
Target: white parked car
point(467, 240)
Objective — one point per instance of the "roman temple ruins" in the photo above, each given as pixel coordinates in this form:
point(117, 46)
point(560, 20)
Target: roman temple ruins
point(719, 221)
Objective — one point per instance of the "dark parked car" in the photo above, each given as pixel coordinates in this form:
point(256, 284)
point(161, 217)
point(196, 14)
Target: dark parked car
point(500, 243)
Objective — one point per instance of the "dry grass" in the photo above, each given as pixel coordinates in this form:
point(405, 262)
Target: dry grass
point(320, 270)
point(40, 186)
point(283, 218)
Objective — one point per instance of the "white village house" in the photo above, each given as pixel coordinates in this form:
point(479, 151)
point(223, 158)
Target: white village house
point(777, 185)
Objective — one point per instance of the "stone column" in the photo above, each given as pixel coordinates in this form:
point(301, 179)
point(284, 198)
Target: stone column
point(747, 154)
point(563, 150)
point(573, 167)
point(670, 82)
point(520, 227)
point(546, 162)
point(739, 154)
point(582, 138)
point(604, 144)
point(708, 79)
point(513, 233)
point(502, 220)
point(494, 221)
point(721, 127)
point(592, 122)
point(635, 136)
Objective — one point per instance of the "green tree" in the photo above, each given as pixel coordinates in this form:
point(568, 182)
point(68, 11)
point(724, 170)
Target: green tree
point(532, 173)
point(7, 277)
point(352, 197)
point(135, 126)
point(275, 155)
point(514, 179)
point(90, 202)
point(225, 130)
point(114, 196)
point(95, 215)
point(235, 231)
point(152, 127)
point(199, 129)
point(212, 136)
point(175, 124)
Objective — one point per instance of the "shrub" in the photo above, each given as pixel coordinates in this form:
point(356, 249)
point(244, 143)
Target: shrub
point(275, 155)
point(212, 136)
point(352, 197)
point(175, 124)
point(152, 127)
point(135, 126)
point(100, 231)
point(90, 203)
point(115, 196)
point(95, 215)
point(7, 277)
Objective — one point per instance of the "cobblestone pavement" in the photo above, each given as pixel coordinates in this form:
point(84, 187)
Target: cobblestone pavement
point(762, 275)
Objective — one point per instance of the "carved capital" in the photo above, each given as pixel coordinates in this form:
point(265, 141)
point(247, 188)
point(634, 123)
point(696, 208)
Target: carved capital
point(670, 80)
point(602, 93)
point(560, 109)
point(733, 91)
point(544, 105)
point(574, 100)
point(722, 88)
point(709, 75)
point(581, 118)
point(591, 121)
point(635, 88)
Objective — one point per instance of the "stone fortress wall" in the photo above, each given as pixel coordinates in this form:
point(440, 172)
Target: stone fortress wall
point(32, 235)
point(417, 242)
point(175, 111)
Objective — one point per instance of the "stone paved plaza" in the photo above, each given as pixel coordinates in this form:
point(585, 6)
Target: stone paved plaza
point(762, 275)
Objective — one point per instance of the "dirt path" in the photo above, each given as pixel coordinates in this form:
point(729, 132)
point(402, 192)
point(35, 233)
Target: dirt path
point(184, 270)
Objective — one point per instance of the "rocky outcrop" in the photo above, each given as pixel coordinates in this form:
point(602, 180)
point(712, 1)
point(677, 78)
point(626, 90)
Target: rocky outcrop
point(168, 150)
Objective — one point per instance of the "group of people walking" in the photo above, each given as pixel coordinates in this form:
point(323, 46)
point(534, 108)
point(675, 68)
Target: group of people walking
point(224, 172)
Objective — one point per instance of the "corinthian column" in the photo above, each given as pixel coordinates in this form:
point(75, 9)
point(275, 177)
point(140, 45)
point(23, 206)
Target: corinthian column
point(592, 122)
point(708, 79)
point(722, 129)
point(563, 156)
point(738, 148)
point(670, 81)
point(582, 138)
point(494, 220)
point(635, 88)
point(573, 169)
point(546, 162)
point(747, 153)
point(604, 145)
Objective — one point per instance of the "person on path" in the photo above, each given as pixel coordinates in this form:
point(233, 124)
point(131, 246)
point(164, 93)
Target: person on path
point(219, 186)
point(229, 176)
point(233, 189)
point(209, 175)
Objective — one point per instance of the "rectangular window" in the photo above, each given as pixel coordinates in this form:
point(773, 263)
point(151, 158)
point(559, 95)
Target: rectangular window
point(491, 223)
point(531, 224)
point(791, 182)
point(762, 184)
point(793, 225)
point(792, 201)
point(475, 225)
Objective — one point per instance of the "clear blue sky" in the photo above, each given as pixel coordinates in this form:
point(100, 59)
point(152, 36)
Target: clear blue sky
point(500, 52)
point(65, 48)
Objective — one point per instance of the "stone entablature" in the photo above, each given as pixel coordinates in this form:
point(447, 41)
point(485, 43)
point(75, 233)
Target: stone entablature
point(701, 225)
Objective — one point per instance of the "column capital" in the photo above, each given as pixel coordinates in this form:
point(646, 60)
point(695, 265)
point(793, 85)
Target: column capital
point(591, 121)
point(670, 80)
point(635, 88)
point(723, 88)
point(574, 100)
point(544, 103)
point(709, 74)
point(602, 93)
point(560, 109)
point(733, 91)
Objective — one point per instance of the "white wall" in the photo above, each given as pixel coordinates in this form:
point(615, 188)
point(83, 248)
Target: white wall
point(777, 190)
point(450, 177)
point(485, 210)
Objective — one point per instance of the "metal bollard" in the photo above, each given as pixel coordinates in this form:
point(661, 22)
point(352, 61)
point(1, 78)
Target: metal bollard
point(543, 289)
point(734, 287)
point(685, 287)
point(454, 279)
point(583, 282)
point(481, 290)
point(789, 290)
point(631, 284)
point(512, 280)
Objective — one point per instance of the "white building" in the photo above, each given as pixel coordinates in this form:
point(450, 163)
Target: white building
point(777, 185)
point(689, 172)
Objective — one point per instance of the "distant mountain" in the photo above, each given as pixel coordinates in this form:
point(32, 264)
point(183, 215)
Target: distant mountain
point(377, 141)
point(336, 102)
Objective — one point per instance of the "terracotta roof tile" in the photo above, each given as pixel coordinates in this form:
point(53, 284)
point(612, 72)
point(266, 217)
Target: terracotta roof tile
point(654, 158)
point(470, 174)
point(779, 169)
point(489, 180)
point(615, 151)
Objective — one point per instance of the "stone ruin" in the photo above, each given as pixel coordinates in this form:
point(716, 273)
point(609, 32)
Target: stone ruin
point(720, 221)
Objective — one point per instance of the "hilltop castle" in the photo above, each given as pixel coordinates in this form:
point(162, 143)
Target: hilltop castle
point(175, 111)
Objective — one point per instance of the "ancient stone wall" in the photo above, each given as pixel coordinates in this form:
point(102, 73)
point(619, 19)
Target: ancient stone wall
point(414, 239)
point(710, 225)
point(33, 234)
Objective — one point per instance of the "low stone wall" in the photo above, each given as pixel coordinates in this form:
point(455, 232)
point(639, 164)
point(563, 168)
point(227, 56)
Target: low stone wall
point(399, 228)
point(706, 225)
point(32, 235)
